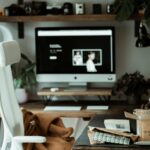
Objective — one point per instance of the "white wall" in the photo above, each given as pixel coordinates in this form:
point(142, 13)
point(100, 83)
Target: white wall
point(128, 57)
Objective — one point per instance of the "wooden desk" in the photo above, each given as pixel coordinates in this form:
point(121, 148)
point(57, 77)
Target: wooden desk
point(82, 142)
point(115, 107)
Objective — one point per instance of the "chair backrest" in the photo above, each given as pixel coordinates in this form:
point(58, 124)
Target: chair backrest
point(10, 110)
point(6, 34)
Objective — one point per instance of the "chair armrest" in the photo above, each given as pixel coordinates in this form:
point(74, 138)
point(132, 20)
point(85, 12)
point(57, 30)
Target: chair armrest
point(29, 139)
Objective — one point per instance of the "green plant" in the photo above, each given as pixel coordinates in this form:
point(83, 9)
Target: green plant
point(126, 8)
point(23, 73)
point(132, 84)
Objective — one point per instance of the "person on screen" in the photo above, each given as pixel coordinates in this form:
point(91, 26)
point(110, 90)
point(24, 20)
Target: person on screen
point(77, 59)
point(90, 66)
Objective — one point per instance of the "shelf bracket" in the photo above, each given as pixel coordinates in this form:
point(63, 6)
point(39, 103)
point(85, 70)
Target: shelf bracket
point(136, 27)
point(20, 24)
point(21, 30)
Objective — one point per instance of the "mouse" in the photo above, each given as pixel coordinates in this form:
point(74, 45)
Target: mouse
point(54, 89)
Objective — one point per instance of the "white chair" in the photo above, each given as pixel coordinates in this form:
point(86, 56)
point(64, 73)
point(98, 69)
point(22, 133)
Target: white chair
point(9, 109)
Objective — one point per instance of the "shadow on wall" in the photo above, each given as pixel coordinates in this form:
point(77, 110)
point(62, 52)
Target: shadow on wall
point(5, 33)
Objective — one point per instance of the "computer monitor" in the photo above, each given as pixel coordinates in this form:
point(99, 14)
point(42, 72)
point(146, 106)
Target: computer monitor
point(77, 55)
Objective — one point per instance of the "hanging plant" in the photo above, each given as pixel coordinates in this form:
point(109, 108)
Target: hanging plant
point(124, 9)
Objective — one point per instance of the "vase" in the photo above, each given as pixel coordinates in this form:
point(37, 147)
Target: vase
point(21, 95)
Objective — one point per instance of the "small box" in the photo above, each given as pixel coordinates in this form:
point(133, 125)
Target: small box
point(142, 117)
point(143, 129)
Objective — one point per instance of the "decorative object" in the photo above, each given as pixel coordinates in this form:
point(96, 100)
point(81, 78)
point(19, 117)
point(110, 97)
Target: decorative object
point(24, 77)
point(79, 8)
point(143, 39)
point(126, 8)
point(14, 10)
point(109, 9)
point(133, 85)
point(35, 8)
point(97, 8)
point(67, 8)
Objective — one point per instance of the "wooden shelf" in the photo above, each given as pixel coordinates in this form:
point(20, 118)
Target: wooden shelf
point(87, 17)
point(101, 17)
point(63, 92)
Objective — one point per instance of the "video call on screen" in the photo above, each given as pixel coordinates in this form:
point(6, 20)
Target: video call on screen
point(74, 54)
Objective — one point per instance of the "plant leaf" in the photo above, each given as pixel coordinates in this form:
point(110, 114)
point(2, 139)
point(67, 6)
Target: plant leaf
point(23, 56)
point(147, 14)
point(18, 83)
point(124, 8)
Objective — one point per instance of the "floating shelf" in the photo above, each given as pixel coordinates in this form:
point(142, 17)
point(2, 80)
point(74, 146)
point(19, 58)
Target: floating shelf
point(101, 17)
point(92, 17)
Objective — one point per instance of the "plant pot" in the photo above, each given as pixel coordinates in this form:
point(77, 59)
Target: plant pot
point(21, 95)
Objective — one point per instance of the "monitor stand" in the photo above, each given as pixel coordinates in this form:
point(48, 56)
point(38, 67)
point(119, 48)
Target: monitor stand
point(76, 86)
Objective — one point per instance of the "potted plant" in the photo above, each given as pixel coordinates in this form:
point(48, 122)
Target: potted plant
point(126, 8)
point(133, 85)
point(24, 77)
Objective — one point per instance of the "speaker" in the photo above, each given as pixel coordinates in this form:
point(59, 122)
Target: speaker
point(67, 9)
point(79, 9)
point(97, 9)
point(110, 9)
point(28, 8)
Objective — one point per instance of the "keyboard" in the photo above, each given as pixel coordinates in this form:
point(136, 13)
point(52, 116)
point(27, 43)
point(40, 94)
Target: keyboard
point(62, 108)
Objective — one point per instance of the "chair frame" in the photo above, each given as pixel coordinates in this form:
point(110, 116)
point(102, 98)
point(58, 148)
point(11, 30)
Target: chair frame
point(9, 108)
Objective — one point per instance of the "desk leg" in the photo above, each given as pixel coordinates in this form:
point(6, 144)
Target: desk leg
point(75, 98)
point(47, 99)
point(104, 98)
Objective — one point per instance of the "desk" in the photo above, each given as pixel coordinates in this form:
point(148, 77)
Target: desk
point(82, 142)
point(115, 107)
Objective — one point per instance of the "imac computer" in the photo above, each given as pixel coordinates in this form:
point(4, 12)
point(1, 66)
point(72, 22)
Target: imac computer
point(75, 55)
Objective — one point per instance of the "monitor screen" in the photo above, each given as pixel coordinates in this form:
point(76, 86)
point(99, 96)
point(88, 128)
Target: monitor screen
point(79, 54)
